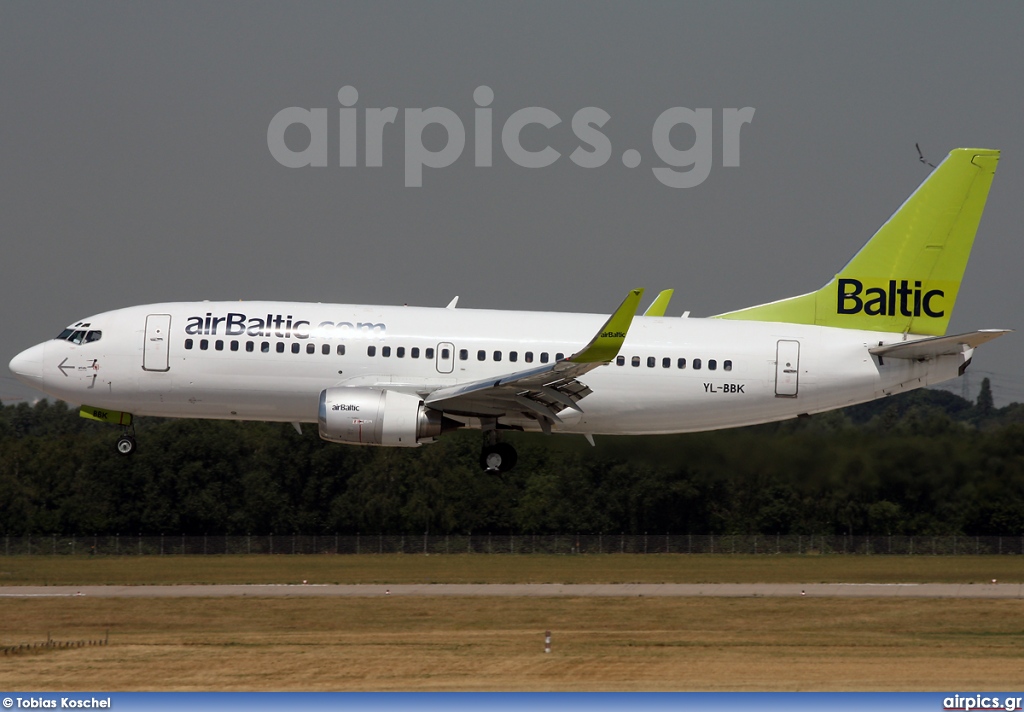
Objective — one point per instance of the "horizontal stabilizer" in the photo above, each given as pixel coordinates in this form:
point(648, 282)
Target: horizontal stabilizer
point(927, 349)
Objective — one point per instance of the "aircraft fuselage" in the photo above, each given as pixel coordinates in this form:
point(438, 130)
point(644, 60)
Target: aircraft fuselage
point(271, 360)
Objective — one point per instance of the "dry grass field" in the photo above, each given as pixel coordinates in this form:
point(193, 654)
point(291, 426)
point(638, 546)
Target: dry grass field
point(391, 643)
point(497, 644)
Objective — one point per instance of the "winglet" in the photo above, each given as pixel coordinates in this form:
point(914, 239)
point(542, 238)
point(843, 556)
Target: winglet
point(660, 303)
point(606, 344)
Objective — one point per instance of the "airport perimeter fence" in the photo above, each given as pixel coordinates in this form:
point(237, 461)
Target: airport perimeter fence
point(170, 545)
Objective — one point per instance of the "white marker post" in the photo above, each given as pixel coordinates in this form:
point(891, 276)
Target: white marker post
point(547, 641)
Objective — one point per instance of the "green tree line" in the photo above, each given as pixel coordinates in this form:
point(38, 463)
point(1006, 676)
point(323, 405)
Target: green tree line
point(926, 462)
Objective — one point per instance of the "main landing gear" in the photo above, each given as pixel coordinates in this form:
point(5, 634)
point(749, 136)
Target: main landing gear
point(496, 457)
point(126, 443)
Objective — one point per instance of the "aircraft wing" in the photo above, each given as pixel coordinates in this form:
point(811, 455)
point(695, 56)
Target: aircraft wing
point(543, 391)
point(933, 347)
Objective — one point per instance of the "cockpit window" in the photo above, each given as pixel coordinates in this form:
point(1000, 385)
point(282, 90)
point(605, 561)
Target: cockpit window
point(80, 336)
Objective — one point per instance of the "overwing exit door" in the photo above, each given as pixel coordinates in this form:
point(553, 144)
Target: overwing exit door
point(445, 358)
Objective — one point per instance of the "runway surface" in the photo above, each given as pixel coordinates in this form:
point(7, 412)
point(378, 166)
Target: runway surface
point(666, 590)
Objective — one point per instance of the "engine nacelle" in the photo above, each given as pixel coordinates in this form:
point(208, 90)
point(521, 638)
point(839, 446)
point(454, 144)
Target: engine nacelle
point(374, 416)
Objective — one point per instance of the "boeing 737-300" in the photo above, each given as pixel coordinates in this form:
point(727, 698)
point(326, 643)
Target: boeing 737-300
point(403, 376)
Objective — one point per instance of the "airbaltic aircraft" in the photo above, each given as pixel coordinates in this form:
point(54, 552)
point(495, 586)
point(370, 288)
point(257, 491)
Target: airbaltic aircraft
point(402, 376)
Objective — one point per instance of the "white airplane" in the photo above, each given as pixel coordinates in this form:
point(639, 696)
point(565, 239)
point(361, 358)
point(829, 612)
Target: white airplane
point(402, 376)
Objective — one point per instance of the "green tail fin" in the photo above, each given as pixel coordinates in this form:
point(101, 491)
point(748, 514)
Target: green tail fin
point(906, 278)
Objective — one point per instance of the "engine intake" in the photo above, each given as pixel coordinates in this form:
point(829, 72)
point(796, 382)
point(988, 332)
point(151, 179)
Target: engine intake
point(375, 416)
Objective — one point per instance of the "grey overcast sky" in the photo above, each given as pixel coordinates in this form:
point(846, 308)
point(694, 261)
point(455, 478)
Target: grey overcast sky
point(135, 168)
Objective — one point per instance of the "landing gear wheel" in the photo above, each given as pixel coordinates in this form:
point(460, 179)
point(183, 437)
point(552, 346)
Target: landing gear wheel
point(126, 445)
point(498, 458)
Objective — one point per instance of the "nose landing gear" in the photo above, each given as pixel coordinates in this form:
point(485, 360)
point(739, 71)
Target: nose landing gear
point(126, 443)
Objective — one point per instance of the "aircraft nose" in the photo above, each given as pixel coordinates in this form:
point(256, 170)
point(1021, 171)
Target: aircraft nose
point(28, 365)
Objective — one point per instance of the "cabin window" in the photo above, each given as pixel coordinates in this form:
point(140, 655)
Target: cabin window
point(310, 348)
point(280, 347)
point(429, 353)
point(666, 362)
point(712, 364)
point(681, 363)
point(234, 346)
point(513, 356)
point(400, 352)
point(651, 361)
point(385, 351)
point(497, 355)
point(341, 349)
point(636, 362)
point(620, 360)
point(463, 354)
point(559, 356)
point(371, 350)
point(250, 346)
point(696, 364)
point(219, 345)
point(481, 355)
point(727, 365)
point(528, 357)
point(295, 348)
point(414, 352)
point(188, 343)
point(325, 349)
point(543, 356)
point(265, 347)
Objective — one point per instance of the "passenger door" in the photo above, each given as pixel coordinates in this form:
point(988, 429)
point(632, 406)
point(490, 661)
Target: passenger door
point(787, 369)
point(156, 355)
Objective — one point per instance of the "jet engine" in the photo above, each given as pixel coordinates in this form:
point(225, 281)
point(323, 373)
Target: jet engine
point(375, 416)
